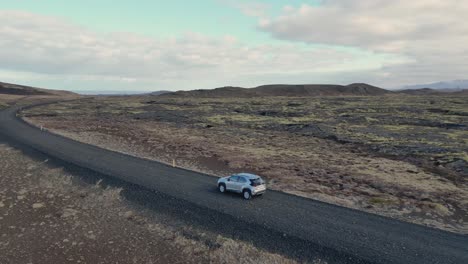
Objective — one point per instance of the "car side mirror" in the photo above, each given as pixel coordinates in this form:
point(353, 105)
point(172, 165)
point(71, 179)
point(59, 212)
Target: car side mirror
point(229, 179)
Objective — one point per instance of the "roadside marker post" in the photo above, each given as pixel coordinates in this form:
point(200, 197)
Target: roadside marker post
point(173, 163)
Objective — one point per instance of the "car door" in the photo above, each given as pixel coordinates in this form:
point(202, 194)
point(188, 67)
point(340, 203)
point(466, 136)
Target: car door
point(232, 182)
point(241, 182)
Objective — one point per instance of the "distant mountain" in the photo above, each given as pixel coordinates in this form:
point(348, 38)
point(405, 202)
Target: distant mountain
point(355, 89)
point(160, 92)
point(15, 89)
point(422, 91)
point(456, 85)
point(110, 92)
point(120, 92)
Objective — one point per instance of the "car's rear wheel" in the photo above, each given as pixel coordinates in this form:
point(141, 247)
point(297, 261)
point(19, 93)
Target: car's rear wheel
point(247, 194)
point(222, 188)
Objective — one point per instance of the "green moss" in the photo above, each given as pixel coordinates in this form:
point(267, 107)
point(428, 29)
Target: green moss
point(460, 155)
point(401, 121)
point(381, 201)
point(371, 120)
point(398, 127)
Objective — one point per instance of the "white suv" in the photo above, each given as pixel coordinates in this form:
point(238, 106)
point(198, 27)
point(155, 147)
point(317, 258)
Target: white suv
point(247, 184)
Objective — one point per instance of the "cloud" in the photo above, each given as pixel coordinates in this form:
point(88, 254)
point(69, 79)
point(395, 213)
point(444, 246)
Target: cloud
point(254, 9)
point(54, 49)
point(433, 34)
point(377, 24)
point(248, 8)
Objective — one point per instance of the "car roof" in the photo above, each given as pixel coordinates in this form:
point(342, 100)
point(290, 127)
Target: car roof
point(247, 175)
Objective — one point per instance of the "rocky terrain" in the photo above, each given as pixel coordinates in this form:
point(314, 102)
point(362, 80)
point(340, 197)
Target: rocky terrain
point(50, 215)
point(397, 155)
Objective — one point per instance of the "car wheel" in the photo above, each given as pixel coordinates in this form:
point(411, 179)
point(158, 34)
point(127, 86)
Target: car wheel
point(246, 194)
point(222, 188)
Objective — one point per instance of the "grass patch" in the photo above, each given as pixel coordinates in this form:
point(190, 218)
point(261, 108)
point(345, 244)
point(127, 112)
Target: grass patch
point(381, 201)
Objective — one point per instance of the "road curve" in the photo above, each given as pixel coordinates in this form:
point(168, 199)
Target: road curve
point(333, 233)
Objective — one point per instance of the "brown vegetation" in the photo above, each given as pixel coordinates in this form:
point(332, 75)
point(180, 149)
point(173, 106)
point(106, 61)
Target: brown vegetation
point(49, 216)
point(400, 156)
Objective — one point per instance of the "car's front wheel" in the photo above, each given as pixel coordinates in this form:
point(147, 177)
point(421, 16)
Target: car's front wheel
point(222, 188)
point(247, 194)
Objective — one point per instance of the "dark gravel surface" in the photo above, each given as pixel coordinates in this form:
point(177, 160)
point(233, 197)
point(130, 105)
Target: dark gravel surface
point(302, 228)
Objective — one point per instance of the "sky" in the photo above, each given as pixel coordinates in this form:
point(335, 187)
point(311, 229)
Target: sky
point(179, 45)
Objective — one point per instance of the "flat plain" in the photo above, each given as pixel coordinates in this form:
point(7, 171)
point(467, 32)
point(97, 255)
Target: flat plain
point(397, 155)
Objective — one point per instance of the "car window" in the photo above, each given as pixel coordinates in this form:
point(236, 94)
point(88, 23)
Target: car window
point(257, 181)
point(242, 180)
point(234, 178)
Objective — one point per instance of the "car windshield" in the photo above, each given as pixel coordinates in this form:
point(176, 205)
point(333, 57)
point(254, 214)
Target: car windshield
point(257, 181)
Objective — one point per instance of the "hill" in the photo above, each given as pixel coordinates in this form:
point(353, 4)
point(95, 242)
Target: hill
point(160, 92)
point(429, 91)
point(355, 89)
point(15, 89)
point(448, 86)
point(421, 91)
